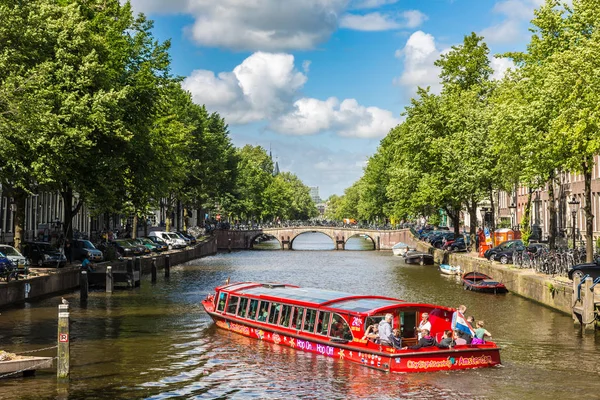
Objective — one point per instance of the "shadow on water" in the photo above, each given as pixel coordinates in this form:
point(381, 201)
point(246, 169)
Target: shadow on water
point(156, 342)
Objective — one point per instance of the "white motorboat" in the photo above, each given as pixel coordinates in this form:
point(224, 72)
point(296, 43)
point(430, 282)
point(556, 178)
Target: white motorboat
point(450, 269)
point(400, 249)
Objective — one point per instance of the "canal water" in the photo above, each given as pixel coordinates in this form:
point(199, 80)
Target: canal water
point(155, 342)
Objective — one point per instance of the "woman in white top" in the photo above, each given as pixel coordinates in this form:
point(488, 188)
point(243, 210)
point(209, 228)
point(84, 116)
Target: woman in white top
point(424, 324)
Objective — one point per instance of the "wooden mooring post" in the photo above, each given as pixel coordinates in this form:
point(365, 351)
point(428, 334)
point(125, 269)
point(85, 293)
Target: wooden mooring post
point(153, 269)
point(584, 305)
point(109, 279)
point(62, 368)
point(167, 266)
point(83, 286)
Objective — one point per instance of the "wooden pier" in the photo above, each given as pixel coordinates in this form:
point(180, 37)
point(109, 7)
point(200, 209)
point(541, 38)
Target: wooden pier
point(25, 365)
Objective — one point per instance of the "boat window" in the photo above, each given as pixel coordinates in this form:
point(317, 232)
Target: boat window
point(323, 324)
point(252, 309)
point(408, 321)
point(232, 305)
point(242, 307)
point(340, 328)
point(286, 312)
point(263, 313)
point(222, 301)
point(309, 321)
point(274, 314)
point(297, 317)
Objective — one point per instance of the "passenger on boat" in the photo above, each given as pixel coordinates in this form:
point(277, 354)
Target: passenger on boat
point(426, 341)
point(447, 342)
point(458, 339)
point(459, 314)
point(372, 333)
point(397, 339)
point(480, 334)
point(385, 330)
point(263, 315)
point(424, 324)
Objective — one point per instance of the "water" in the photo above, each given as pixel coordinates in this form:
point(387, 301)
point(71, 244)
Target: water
point(156, 342)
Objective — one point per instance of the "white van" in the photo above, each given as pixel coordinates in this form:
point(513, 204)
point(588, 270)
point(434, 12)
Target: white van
point(174, 241)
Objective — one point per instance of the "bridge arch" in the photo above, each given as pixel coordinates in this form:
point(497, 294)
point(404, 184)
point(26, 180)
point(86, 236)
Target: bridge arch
point(360, 234)
point(291, 243)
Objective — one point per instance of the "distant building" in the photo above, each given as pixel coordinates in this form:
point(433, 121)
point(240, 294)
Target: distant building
point(314, 194)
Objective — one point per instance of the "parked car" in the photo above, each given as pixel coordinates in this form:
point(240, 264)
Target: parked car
point(174, 241)
point(438, 242)
point(122, 247)
point(148, 248)
point(43, 254)
point(191, 238)
point(158, 242)
point(148, 244)
point(13, 255)
point(504, 251)
point(81, 249)
point(457, 244)
point(592, 269)
point(138, 249)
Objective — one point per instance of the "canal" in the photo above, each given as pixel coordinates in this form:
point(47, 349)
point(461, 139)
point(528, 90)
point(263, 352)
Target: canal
point(156, 342)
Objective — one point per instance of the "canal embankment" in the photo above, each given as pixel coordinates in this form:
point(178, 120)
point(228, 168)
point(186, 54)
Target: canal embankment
point(50, 282)
point(558, 293)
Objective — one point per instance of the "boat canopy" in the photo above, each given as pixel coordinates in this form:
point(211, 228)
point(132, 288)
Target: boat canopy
point(315, 297)
point(400, 245)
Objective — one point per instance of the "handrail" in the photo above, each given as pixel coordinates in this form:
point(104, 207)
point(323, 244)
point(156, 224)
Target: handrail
point(579, 286)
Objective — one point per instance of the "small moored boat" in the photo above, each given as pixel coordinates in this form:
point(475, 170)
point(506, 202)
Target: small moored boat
point(333, 324)
point(482, 283)
point(400, 249)
point(450, 269)
point(417, 257)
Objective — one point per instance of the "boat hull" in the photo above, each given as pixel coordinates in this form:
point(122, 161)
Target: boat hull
point(371, 355)
point(485, 289)
point(422, 259)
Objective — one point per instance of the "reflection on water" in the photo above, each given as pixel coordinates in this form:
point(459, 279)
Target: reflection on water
point(156, 342)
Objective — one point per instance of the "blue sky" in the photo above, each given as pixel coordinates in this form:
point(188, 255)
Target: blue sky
point(321, 82)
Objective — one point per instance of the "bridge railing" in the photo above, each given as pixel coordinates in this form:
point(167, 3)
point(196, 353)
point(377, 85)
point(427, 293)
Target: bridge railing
point(309, 224)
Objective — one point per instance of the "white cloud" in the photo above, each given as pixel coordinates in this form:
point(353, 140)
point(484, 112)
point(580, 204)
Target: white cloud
point(419, 54)
point(414, 18)
point(365, 4)
point(270, 25)
point(516, 14)
point(500, 66)
point(276, 25)
point(381, 22)
point(347, 118)
point(263, 86)
point(266, 86)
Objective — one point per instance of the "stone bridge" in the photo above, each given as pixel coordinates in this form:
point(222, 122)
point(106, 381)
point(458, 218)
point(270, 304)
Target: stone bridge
point(382, 239)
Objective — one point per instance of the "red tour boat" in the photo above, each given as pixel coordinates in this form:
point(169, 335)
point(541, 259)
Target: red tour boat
point(333, 324)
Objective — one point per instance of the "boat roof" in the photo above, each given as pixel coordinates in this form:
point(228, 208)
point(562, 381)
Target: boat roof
point(399, 245)
point(320, 297)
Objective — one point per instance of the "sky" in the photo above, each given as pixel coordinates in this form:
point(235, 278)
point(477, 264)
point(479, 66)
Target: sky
point(321, 82)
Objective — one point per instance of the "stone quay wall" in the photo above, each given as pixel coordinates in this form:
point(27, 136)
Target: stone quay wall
point(66, 279)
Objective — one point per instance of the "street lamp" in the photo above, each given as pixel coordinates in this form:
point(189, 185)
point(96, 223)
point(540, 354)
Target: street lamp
point(484, 211)
point(512, 208)
point(574, 203)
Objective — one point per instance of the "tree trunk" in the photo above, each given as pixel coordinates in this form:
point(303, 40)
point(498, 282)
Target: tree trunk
point(178, 218)
point(134, 226)
point(67, 196)
point(552, 211)
point(493, 221)
point(19, 197)
point(589, 217)
point(473, 224)
point(526, 231)
point(186, 219)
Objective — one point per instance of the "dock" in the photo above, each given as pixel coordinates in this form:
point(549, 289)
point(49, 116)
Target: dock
point(25, 365)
